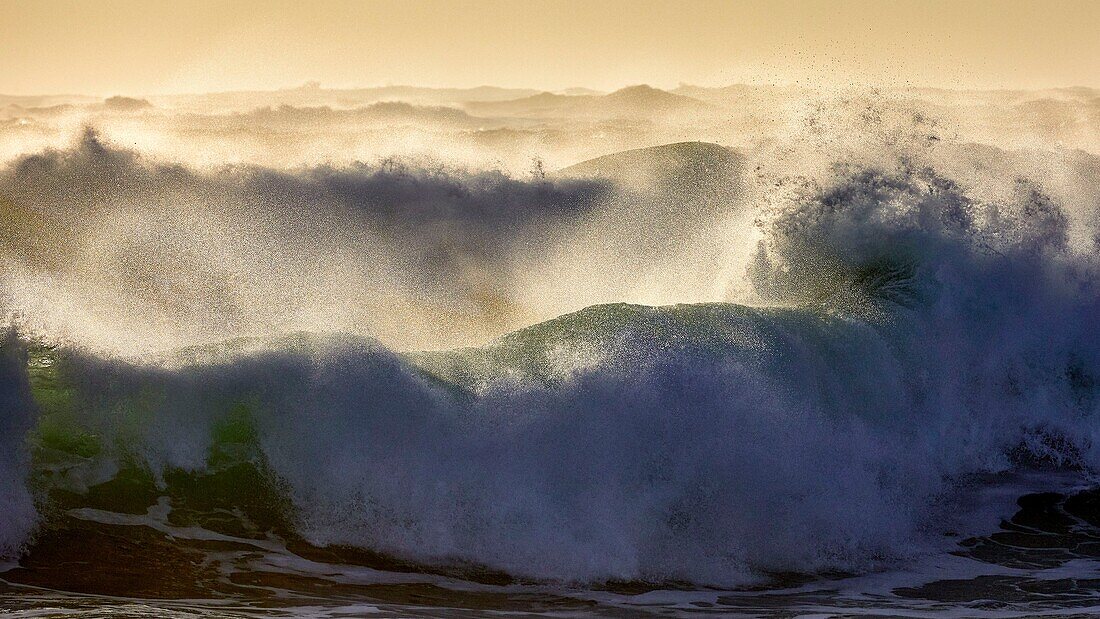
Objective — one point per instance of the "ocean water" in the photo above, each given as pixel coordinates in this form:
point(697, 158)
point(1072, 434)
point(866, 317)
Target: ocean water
point(397, 390)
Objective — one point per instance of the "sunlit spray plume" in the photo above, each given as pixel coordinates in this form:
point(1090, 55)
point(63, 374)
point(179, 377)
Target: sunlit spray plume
point(122, 252)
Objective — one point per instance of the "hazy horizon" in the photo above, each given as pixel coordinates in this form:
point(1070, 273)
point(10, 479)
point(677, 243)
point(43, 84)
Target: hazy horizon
point(119, 46)
point(315, 84)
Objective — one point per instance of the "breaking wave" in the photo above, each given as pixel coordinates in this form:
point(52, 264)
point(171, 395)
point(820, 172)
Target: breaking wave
point(908, 339)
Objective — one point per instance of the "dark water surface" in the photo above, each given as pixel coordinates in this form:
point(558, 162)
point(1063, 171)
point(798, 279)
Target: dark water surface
point(189, 562)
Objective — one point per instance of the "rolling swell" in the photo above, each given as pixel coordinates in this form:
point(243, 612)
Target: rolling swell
point(913, 337)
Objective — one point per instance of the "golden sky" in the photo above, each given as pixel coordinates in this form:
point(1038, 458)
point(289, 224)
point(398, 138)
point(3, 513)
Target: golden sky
point(150, 46)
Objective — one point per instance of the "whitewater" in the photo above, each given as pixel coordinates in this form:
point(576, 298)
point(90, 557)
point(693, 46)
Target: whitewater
point(818, 373)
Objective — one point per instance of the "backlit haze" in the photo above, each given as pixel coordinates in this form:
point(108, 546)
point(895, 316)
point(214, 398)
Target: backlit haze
point(133, 47)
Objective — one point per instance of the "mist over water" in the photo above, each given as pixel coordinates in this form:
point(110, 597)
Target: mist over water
point(711, 337)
